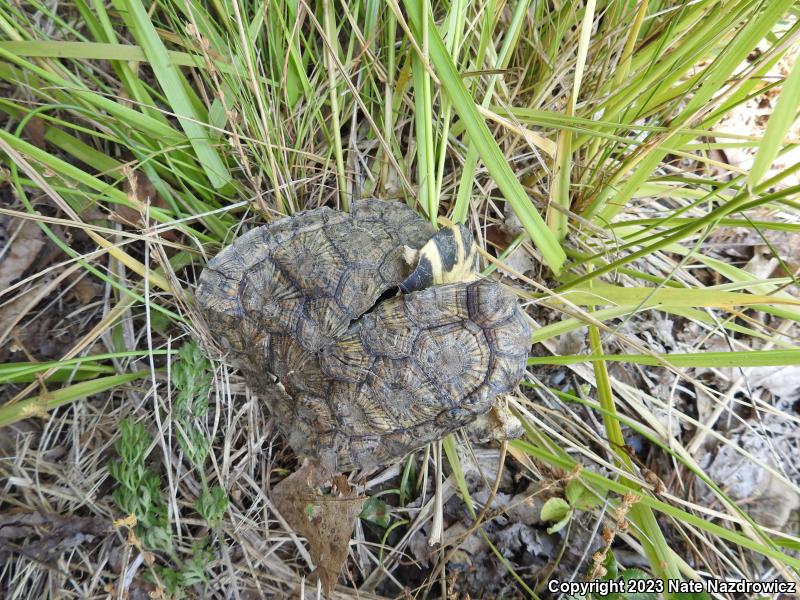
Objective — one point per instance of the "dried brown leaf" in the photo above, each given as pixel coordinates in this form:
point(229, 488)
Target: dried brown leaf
point(325, 521)
point(34, 130)
point(20, 244)
point(139, 188)
point(85, 289)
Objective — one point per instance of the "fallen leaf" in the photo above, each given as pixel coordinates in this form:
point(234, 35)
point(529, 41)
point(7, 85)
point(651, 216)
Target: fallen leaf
point(138, 188)
point(469, 543)
point(573, 342)
point(496, 237)
point(519, 538)
point(85, 288)
point(765, 497)
point(512, 225)
point(762, 264)
point(520, 261)
point(325, 521)
point(20, 244)
point(34, 130)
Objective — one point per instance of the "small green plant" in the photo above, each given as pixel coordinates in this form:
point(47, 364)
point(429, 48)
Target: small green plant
point(634, 582)
point(191, 374)
point(192, 571)
point(408, 482)
point(376, 511)
point(212, 504)
point(193, 442)
point(139, 490)
point(561, 510)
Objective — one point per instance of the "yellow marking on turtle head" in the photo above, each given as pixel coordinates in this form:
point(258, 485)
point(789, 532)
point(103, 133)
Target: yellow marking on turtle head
point(449, 256)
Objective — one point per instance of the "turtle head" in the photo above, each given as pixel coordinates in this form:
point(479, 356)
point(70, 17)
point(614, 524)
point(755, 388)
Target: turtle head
point(449, 256)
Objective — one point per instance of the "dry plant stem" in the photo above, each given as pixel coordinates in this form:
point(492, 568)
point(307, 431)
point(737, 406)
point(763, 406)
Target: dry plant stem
point(33, 296)
point(38, 218)
point(438, 511)
point(478, 521)
point(501, 462)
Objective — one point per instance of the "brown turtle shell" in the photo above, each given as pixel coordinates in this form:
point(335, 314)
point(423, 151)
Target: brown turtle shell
point(351, 382)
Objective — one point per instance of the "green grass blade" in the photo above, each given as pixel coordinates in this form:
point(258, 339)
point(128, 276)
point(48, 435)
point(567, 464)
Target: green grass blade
point(39, 406)
point(449, 447)
point(647, 297)
point(562, 170)
point(95, 51)
point(748, 358)
point(24, 371)
point(651, 537)
point(715, 77)
point(503, 56)
point(780, 121)
point(134, 119)
point(331, 57)
point(174, 86)
point(489, 151)
point(423, 119)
